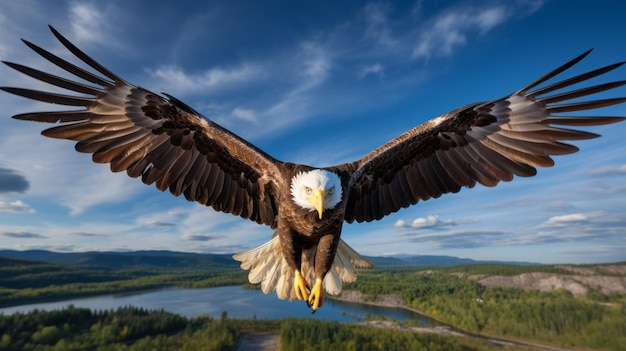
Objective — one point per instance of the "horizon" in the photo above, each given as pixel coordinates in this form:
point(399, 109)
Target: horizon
point(320, 84)
point(399, 256)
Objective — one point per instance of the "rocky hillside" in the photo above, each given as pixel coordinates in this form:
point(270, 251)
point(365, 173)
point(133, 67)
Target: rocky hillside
point(609, 279)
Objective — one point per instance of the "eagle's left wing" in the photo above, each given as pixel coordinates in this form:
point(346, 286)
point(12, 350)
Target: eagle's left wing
point(483, 142)
point(157, 138)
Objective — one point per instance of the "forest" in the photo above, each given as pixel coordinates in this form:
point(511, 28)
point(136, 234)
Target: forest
point(594, 321)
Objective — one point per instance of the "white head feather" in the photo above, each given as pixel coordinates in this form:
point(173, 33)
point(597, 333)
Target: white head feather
point(305, 184)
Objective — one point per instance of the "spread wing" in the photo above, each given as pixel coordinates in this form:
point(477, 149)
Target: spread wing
point(483, 142)
point(159, 139)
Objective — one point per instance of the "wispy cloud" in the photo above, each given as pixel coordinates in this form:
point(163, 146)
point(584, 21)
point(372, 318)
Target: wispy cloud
point(89, 192)
point(377, 24)
point(247, 115)
point(375, 69)
point(587, 226)
point(56, 248)
point(451, 29)
point(88, 235)
point(177, 213)
point(200, 237)
point(23, 235)
point(311, 67)
point(459, 239)
point(86, 21)
point(157, 223)
point(173, 78)
point(94, 23)
point(316, 64)
point(608, 170)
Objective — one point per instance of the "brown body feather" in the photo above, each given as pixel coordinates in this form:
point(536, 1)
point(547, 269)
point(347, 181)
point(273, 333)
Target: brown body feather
point(165, 142)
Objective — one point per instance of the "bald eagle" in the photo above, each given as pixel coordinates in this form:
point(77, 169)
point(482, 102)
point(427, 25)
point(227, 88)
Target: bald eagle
point(165, 142)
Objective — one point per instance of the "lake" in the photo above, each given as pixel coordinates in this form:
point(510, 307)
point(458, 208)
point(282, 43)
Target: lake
point(234, 300)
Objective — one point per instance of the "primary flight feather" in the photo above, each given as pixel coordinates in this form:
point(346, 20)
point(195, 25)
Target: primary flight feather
point(165, 142)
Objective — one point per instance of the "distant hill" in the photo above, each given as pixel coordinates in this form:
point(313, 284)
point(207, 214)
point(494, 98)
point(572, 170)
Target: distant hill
point(6, 262)
point(121, 260)
point(437, 261)
point(173, 259)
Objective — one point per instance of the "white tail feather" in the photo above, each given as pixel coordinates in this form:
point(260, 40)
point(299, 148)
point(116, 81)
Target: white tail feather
point(268, 267)
point(332, 283)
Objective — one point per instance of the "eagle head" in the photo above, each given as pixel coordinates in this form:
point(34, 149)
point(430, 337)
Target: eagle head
point(316, 190)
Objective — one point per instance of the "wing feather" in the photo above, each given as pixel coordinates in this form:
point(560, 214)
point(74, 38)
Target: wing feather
point(483, 142)
point(157, 138)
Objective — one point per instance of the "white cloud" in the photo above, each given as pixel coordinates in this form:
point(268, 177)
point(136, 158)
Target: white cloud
point(431, 222)
point(15, 207)
point(401, 223)
point(568, 219)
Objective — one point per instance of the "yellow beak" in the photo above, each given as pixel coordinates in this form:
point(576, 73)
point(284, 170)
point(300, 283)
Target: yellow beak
point(318, 202)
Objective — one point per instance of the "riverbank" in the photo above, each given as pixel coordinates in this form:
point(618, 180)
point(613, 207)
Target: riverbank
point(395, 301)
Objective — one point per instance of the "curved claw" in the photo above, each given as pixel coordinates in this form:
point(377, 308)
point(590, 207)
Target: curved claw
point(316, 298)
point(300, 286)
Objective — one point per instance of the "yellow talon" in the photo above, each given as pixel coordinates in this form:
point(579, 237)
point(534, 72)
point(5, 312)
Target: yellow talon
point(316, 299)
point(299, 286)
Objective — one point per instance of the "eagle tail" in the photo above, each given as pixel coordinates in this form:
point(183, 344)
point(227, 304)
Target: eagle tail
point(343, 268)
point(268, 267)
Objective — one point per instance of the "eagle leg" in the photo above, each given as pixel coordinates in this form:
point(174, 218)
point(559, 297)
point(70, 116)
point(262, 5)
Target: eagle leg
point(316, 299)
point(300, 286)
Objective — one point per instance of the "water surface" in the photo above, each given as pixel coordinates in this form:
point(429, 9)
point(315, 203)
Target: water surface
point(236, 301)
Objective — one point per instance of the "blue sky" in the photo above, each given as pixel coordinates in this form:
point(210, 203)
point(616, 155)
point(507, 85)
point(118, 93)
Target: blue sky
point(318, 84)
